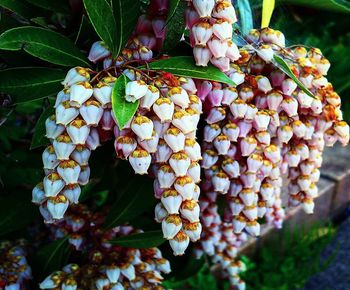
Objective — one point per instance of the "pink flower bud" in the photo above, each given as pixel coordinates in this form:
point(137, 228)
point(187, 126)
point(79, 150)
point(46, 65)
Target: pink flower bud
point(75, 75)
point(290, 106)
point(72, 192)
point(253, 228)
point(63, 147)
point(160, 212)
point(202, 56)
point(164, 109)
point(202, 32)
point(142, 127)
point(65, 113)
point(221, 182)
point(171, 201)
point(98, 51)
point(140, 161)
point(102, 92)
point(288, 87)
point(92, 112)
point(135, 90)
point(209, 159)
point(175, 139)
point(238, 108)
point(124, 146)
point(222, 63)
point(163, 153)
point(166, 176)
point(224, 10)
point(238, 224)
point(231, 130)
point(215, 115)
point(57, 206)
point(179, 243)
point(69, 170)
point(211, 132)
point(204, 7)
point(248, 146)
point(180, 162)
point(171, 225)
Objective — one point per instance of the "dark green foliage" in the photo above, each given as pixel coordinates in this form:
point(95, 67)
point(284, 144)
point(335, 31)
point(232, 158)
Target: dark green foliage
point(290, 260)
point(141, 240)
point(185, 66)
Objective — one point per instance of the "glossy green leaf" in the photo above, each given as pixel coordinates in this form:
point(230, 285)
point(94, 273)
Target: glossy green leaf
point(22, 8)
point(331, 5)
point(44, 44)
point(125, 14)
point(136, 199)
point(141, 240)
point(61, 6)
point(175, 24)
point(185, 66)
point(16, 213)
point(30, 83)
point(283, 66)
point(39, 138)
point(52, 257)
point(246, 15)
point(123, 110)
point(102, 18)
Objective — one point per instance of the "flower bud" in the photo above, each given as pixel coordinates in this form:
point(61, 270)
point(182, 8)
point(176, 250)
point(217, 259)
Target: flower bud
point(57, 206)
point(171, 225)
point(171, 201)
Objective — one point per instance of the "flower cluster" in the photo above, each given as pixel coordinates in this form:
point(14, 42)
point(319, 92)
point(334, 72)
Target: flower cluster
point(219, 241)
point(147, 37)
point(14, 269)
point(81, 121)
point(108, 266)
point(210, 25)
point(163, 134)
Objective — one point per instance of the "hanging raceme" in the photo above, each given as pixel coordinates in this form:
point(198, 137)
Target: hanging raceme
point(216, 141)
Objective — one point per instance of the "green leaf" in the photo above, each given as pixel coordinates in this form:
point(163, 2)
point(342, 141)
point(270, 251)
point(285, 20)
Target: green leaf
point(283, 66)
point(175, 24)
point(141, 240)
point(185, 66)
point(137, 199)
point(52, 257)
point(102, 19)
point(125, 14)
point(123, 110)
point(44, 44)
point(30, 83)
point(22, 8)
point(267, 10)
point(246, 15)
point(16, 213)
point(61, 6)
point(331, 5)
point(85, 33)
point(39, 138)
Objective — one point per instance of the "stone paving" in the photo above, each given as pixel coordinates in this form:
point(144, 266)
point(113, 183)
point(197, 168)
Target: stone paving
point(337, 275)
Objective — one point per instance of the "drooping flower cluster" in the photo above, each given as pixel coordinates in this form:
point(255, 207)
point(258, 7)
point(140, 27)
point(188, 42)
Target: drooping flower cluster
point(81, 121)
point(15, 272)
point(219, 241)
point(263, 129)
point(148, 36)
point(108, 266)
point(163, 133)
point(210, 24)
